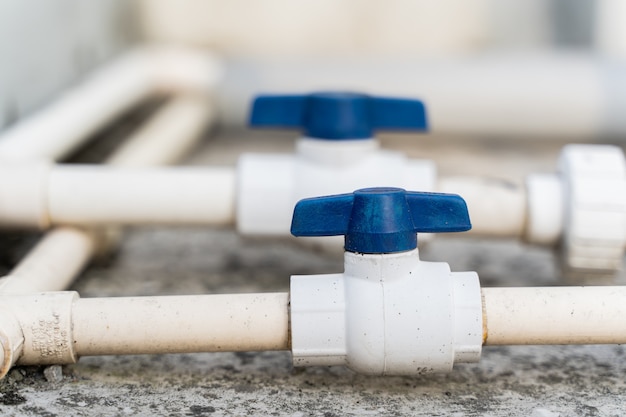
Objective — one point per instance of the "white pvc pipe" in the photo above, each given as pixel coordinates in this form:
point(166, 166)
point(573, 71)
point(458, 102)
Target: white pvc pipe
point(110, 196)
point(497, 208)
point(60, 128)
point(554, 315)
point(79, 246)
point(201, 323)
point(58, 327)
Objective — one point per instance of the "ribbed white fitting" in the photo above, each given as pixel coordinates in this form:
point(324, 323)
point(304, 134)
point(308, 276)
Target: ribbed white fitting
point(387, 314)
point(594, 190)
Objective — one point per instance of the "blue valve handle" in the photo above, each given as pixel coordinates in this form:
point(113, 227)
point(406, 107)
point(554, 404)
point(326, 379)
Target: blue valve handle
point(380, 220)
point(337, 115)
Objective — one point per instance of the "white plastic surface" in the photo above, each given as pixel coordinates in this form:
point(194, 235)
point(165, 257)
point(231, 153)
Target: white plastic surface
point(23, 189)
point(40, 195)
point(108, 195)
point(594, 190)
point(496, 207)
point(546, 209)
point(388, 314)
point(269, 186)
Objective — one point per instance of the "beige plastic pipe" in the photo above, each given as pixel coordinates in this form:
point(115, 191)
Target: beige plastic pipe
point(111, 196)
point(204, 195)
point(58, 258)
point(198, 323)
point(489, 199)
point(554, 315)
point(58, 327)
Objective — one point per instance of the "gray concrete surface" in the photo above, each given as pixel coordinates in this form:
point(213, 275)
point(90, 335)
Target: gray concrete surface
point(538, 381)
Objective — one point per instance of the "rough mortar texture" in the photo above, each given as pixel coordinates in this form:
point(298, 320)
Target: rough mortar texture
point(538, 381)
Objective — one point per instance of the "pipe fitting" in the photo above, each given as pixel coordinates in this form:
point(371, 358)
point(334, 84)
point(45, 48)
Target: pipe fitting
point(11, 340)
point(338, 153)
point(387, 315)
point(36, 330)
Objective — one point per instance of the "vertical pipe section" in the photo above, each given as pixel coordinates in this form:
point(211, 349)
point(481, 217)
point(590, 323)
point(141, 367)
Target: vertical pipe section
point(177, 324)
point(554, 315)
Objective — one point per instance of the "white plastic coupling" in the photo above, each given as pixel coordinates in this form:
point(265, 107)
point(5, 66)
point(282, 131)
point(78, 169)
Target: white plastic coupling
point(388, 314)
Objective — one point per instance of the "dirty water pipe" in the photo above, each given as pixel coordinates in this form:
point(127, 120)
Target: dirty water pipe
point(191, 195)
point(59, 327)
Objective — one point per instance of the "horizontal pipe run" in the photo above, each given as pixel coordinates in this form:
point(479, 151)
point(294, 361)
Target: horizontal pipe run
point(501, 95)
point(554, 315)
point(59, 327)
point(488, 199)
point(202, 323)
point(111, 196)
point(46, 195)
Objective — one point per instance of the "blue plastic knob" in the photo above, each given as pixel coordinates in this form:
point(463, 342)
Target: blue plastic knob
point(338, 116)
point(380, 220)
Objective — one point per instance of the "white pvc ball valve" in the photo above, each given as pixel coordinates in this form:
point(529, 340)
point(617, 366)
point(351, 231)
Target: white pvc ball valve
point(337, 154)
point(389, 313)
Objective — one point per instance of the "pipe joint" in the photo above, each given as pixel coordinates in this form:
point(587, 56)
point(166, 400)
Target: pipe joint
point(40, 332)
